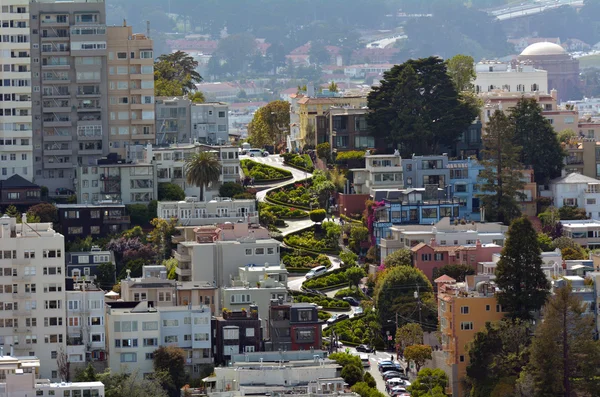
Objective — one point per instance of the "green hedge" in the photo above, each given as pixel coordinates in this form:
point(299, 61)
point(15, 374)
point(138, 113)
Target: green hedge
point(263, 172)
point(303, 162)
point(283, 212)
point(323, 301)
point(353, 331)
point(293, 261)
point(294, 195)
point(331, 279)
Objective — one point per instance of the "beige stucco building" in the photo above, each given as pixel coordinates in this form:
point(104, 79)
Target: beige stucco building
point(130, 89)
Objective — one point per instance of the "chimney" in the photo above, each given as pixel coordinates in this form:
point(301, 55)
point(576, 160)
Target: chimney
point(554, 94)
point(432, 242)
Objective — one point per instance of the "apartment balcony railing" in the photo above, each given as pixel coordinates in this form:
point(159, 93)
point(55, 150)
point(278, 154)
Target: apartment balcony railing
point(117, 219)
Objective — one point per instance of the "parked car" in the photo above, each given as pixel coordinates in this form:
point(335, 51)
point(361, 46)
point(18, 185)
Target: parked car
point(384, 363)
point(389, 367)
point(364, 349)
point(256, 153)
point(390, 375)
point(352, 301)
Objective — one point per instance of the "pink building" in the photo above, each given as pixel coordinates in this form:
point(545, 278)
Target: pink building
point(428, 257)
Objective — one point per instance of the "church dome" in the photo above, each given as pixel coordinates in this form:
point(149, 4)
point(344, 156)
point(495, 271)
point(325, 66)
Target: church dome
point(543, 48)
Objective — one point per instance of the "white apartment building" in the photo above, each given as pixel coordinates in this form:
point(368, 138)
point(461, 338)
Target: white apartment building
point(257, 285)
point(444, 233)
point(382, 171)
point(15, 91)
point(153, 286)
point(20, 378)
point(196, 213)
point(170, 165)
point(576, 190)
point(215, 253)
point(85, 325)
point(585, 232)
point(497, 75)
point(136, 329)
point(32, 292)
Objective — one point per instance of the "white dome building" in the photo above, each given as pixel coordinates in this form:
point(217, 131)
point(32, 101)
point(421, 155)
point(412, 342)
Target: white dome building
point(563, 70)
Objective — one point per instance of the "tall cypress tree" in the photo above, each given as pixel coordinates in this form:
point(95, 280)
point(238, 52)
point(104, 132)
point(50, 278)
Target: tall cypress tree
point(501, 179)
point(523, 285)
point(540, 146)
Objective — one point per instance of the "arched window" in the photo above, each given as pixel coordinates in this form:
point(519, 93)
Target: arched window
point(520, 88)
point(534, 87)
point(491, 88)
point(506, 87)
point(478, 89)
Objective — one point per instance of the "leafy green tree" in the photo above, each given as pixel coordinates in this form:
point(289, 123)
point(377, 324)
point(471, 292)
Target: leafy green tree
point(369, 380)
point(201, 170)
point(171, 265)
point(89, 374)
point(197, 97)
point(394, 293)
point(401, 257)
point(171, 361)
point(13, 212)
point(324, 151)
point(519, 276)
point(230, 189)
point(355, 274)
point(545, 242)
point(570, 213)
point(233, 54)
point(364, 390)
point(566, 135)
point(318, 53)
point(498, 353)
point(571, 254)
point(121, 384)
point(105, 275)
point(318, 215)
point(270, 124)
point(170, 192)
point(352, 374)
point(501, 179)
point(345, 359)
point(333, 87)
point(140, 214)
point(457, 272)
point(461, 69)
point(81, 245)
point(565, 358)
point(418, 354)
point(160, 236)
point(348, 258)
point(411, 108)
point(408, 335)
point(429, 383)
point(46, 212)
point(535, 135)
point(177, 68)
point(135, 232)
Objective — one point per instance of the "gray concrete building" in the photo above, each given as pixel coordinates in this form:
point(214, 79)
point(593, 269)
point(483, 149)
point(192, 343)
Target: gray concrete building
point(69, 79)
point(178, 120)
point(420, 171)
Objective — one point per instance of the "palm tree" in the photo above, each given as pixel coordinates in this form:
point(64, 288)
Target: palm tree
point(202, 169)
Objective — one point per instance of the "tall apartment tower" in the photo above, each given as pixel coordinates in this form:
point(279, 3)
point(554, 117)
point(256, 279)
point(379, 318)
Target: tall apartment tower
point(15, 91)
point(130, 89)
point(69, 69)
point(32, 293)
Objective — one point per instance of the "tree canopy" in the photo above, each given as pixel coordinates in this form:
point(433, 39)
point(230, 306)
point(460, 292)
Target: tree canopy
point(429, 383)
point(461, 69)
point(401, 257)
point(418, 109)
point(175, 74)
point(270, 124)
point(519, 276)
point(202, 169)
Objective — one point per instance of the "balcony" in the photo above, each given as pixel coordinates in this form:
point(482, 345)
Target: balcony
point(88, 92)
point(22, 330)
point(181, 257)
point(89, 106)
point(183, 272)
point(56, 106)
point(56, 65)
point(53, 20)
point(22, 278)
point(21, 295)
point(112, 219)
point(22, 313)
point(57, 122)
point(58, 165)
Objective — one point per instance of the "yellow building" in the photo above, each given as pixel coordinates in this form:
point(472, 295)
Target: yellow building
point(310, 108)
point(463, 309)
point(130, 89)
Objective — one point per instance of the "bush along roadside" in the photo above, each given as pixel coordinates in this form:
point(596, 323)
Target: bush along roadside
point(301, 262)
point(320, 300)
point(334, 279)
point(263, 172)
point(302, 162)
point(324, 239)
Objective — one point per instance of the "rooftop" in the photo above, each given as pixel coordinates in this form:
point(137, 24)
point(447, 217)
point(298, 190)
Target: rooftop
point(543, 48)
point(575, 178)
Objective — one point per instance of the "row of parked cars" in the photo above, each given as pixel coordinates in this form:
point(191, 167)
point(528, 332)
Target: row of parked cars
point(395, 378)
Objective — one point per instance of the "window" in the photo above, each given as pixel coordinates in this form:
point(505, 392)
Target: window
point(171, 339)
point(149, 325)
point(248, 251)
point(305, 315)
point(487, 308)
point(259, 251)
point(439, 256)
point(425, 257)
point(201, 337)
point(304, 335)
point(150, 342)
point(231, 333)
point(149, 356)
point(462, 358)
point(466, 326)
point(73, 321)
point(146, 54)
point(170, 323)
point(464, 310)
point(121, 55)
point(498, 308)
point(128, 357)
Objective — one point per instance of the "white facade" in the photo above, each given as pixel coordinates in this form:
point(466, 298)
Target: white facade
point(170, 165)
point(382, 171)
point(85, 324)
point(210, 122)
point(587, 106)
point(579, 191)
point(16, 152)
point(257, 285)
point(196, 213)
point(496, 75)
point(585, 232)
point(133, 334)
point(444, 234)
point(33, 292)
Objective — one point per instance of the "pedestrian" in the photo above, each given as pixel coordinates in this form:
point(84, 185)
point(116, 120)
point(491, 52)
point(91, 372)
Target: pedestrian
point(252, 181)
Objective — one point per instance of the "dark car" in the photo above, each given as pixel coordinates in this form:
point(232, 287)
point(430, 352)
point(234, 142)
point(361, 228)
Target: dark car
point(386, 368)
point(391, 374)
point(352, 301)
point(364, 349)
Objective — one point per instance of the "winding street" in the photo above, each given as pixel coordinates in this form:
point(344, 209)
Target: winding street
point(294, 283)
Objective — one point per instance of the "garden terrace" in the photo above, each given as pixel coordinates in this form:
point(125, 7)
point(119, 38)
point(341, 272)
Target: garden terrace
point(263, 172)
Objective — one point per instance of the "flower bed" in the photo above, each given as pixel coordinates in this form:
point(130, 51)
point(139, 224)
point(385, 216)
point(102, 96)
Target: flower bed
point(297, 194)
point(295, 262)
point(262, 172)
point(326, 240)
point(283, 212)
point(301, 161)
point(323, 301)
point(330, 279)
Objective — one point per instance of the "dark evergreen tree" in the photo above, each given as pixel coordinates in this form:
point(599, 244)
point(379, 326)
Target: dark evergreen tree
point(565, 358)
point(417, 107)
point(540, 146)
point(523, 285)
point(501, 177)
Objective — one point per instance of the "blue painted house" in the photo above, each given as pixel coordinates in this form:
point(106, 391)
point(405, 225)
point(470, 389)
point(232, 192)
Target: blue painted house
point(464, 184)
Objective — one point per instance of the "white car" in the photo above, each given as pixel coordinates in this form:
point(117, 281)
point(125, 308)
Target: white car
point(257, 153)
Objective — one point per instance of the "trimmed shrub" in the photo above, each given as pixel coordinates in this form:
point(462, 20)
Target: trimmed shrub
point(263, 172)
point(318, 215)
